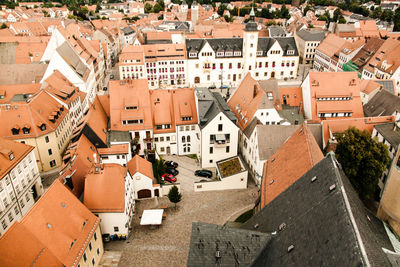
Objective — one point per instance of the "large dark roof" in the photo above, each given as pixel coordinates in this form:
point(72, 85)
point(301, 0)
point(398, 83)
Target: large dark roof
point(390, 131)
point(237, 247)
point(311, 35)
point(320, 222)
point(382, 104)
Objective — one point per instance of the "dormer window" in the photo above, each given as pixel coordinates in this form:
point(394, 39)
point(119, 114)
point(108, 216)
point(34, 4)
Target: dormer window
point(237, 53)
point(186, 118)
point(192, 54)
point(259, 53)
point(26, 129)
point(290, 52)
point(15, 130)
point(270, 96)
point(11, 156)
point(131, 107)
point(42, 127)
point(220, 54)
point(228, 54)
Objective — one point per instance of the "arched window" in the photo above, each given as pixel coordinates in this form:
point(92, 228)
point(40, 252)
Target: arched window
point(188, 138)
point(183, 139)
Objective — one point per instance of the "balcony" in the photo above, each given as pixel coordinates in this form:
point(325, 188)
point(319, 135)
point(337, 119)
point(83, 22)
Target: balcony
point(220, 140)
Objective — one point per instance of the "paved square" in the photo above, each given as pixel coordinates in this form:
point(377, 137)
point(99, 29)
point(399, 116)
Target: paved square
point(168, 245)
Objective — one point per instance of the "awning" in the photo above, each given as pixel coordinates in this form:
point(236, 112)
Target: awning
point(152, 217)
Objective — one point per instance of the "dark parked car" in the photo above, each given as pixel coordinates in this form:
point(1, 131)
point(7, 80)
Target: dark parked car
point(172, 171)
point(168, 177)
point(212, 87)
point(112, 76)
point(203, 173)
point(171, 164)
point(224, 87)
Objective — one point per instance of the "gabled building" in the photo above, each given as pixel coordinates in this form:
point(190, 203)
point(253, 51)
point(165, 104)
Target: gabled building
point(144, 183)
point(307, 42)
point(293, 159)
point(38, 120)
point(324, 100)
point(218, 129)
point(20, 182)
point(59, 231)
point(225, 61)
point(109, 194)
point(383, 103)
point(254, 99)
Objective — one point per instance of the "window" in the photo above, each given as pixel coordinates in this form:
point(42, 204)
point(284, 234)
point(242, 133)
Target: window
point(162, 149)
point(21, 202)
point(188, 138)
point(4, 224)
point(168, 138)
point(116, 229)
point(183, 139)
point(50, 152)
point(219, 127)
point(211, 161)
point(98, 251)
point(211, 149)
point(227, 149)
point(27, 197)
point(10, 217)
point(84, 257)
point(156, 139)
point(161, 139)
point(90, 246)
point(16, 210)
point(52, 163)
point(46, 139)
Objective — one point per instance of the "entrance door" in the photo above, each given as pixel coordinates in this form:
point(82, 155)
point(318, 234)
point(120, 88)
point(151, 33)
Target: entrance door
point(234, 77)
point(156, 193)
point(284, 100)
point(273, 74)
point(168, 150)
point(144, 193)
point(34, 192)
point(197, 80)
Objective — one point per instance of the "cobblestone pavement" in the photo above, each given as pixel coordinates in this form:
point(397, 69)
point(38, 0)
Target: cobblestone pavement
point(49, 177)
point(168, 245)
point(186, 168)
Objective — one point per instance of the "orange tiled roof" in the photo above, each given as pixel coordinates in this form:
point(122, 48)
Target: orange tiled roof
point(62, 225)
point(184, 106)
point(18, 151)
point(105, 189)
point(293, 159)
point(139, 164)
point(162, 110)
point(114, 149)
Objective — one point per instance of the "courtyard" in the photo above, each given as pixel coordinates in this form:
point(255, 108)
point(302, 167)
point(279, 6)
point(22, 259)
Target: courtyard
point(168, 244)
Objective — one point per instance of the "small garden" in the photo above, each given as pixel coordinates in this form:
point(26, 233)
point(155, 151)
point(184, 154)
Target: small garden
point(230, 167)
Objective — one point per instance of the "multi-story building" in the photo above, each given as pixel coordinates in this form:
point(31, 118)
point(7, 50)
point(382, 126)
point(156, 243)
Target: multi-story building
point(225, 61)
point(324, 99)
point(218, 131)
point(307, 42)
point(162, 64)
point(58, 231)
point(20, 183)
point(110, 195)
point(38, 120)
point(385, 64)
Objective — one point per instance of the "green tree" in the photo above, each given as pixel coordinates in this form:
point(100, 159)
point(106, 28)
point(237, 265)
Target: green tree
point(174, 196)
point(336, 14)
point(3, 26)
point(157, 8)
point(221, 9)
point(285, 12)
point(161, 3)
point(377, 13)
point(147, 8)
point(363, 160)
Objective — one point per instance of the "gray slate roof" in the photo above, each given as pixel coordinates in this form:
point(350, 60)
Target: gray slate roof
point(128, 30)
point(308, 35)
point(287, 43)
point(387, 85)
point(210, 105)
point(382, 103)
point(390, 133)
point(321, 224)
point(276, 31)
point(237, 247)
point(70, 56)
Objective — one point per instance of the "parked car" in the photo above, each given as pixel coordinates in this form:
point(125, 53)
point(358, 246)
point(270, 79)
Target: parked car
point(212, 87)
point(112, 76)
point(168, 177)
point(203, 173)
point(224, 87)
point(171, 164)
point(104, 88)
point(172, 171)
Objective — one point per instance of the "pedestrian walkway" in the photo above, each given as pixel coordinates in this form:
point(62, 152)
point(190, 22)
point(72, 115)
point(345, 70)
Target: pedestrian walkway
point(110, 259)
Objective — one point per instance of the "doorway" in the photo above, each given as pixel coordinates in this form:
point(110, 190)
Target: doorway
point(273, 74)
point(197, 80)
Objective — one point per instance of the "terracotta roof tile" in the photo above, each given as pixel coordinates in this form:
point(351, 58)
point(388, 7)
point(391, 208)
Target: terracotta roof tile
point(293, 159)
point(139, 164)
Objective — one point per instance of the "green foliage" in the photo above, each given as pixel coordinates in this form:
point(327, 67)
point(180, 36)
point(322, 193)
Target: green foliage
point(3, 26)
point(174, 196)
point(147, 8)
point(157, 8)
point(363, 160)
point(221, 9)
point(158, 169)
point(308, 7)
